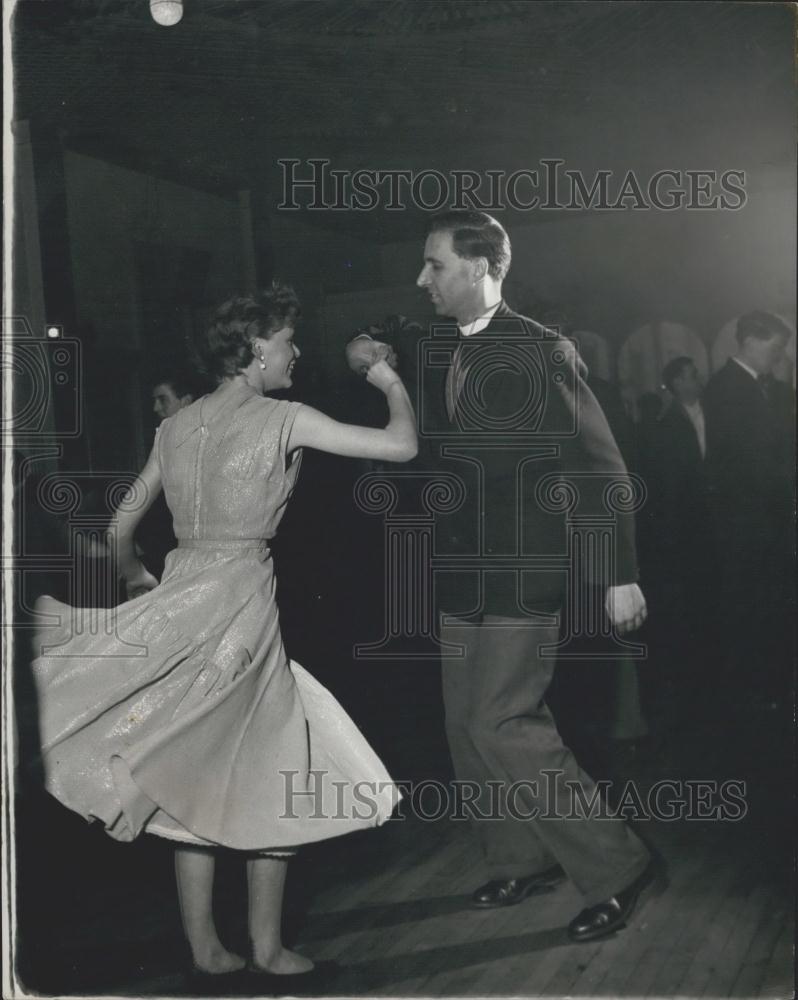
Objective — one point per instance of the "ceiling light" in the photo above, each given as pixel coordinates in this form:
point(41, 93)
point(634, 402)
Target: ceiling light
point(166, 12)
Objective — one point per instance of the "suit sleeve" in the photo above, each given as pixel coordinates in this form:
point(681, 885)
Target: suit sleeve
point(572, 420)
point(592, 456)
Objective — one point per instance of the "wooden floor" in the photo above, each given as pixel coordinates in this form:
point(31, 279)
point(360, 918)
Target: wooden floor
point(391, 906)
point(723, 928)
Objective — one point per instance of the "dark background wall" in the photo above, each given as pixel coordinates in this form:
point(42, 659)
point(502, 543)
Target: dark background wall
point(155, 158)
point(148, 187)
point(148, 173)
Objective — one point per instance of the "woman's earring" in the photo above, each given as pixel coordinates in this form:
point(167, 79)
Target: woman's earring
point(262, 362)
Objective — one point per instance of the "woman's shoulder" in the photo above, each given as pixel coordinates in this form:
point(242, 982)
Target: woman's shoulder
point(267, 407)
point(264, 418)
point(181, 422)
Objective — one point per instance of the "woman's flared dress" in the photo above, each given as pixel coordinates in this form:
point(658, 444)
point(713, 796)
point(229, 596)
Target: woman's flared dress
point(178, 713)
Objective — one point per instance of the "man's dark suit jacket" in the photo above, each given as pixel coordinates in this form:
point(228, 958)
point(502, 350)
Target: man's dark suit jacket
point(678, 494)
point(564, 432)
point(677, 542)
point(749, 448)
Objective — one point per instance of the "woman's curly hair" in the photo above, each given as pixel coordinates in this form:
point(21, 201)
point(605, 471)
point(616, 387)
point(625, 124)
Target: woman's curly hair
point(225, 347)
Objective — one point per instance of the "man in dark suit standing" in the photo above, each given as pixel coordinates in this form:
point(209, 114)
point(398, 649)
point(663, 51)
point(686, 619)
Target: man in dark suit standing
point(681, 445)
point(681, 576)
point(513, 414)
point(749, 426)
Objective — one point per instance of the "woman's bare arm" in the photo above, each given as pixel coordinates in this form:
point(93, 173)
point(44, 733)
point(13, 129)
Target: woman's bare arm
point(134, 505)
point(397, 442)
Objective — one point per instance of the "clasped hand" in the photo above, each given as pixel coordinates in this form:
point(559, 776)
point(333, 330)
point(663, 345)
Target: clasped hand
point(363, 351)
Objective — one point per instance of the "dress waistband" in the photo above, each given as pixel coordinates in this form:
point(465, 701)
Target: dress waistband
point(234, 544)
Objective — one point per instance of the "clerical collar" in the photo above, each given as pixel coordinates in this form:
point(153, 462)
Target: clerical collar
point(747, 368)
point(479, 324)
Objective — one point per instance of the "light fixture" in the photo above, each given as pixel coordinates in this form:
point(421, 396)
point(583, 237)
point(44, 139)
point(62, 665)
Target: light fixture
point(166, 12)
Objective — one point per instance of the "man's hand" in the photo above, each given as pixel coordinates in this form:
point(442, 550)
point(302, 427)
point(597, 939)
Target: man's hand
point(626, 607)
point(363, 351)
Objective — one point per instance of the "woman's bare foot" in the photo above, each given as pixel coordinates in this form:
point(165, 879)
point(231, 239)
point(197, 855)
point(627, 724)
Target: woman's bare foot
point(218, 961)
point(282, 963)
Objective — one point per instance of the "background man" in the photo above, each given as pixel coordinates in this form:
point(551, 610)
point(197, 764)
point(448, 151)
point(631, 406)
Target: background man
point(171, 393)
point(681, 579)
point(750, 450)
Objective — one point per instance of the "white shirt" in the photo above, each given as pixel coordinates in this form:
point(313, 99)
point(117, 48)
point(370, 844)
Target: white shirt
point(479, 324)
point(747, 368)
point(696, 414)
point(455, 377)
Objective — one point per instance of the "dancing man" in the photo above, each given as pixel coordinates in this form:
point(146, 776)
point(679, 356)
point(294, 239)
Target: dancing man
point(500, 730)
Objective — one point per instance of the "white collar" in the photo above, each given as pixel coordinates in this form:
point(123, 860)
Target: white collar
point(479, 324)
point(746, 367)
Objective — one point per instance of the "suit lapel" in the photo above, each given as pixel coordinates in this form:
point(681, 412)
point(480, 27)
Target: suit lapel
point(508, 323)
point(457, 373)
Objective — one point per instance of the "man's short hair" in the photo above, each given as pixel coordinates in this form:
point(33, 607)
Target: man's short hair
point(181, 383)
point(761, 326)
point(674, 369)
point(476, 234)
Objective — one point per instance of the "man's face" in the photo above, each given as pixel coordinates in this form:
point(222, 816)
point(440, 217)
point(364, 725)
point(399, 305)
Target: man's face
point(764, 355)
point(687, 385)
point(449, 279)
point(165, 402)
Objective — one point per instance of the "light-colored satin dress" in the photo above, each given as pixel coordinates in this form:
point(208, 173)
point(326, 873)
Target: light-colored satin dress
point(182, 716)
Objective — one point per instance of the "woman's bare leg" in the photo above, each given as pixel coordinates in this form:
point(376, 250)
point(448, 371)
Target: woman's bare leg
point(195, 868)
point(266, 878)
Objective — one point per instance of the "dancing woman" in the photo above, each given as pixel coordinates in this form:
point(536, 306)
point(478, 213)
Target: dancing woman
point(186, 719)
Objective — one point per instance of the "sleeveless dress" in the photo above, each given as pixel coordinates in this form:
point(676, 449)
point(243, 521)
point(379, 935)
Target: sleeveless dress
point(181, 715)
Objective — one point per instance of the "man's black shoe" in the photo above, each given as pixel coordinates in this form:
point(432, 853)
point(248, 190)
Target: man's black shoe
point(508, 892)
point(610, 916)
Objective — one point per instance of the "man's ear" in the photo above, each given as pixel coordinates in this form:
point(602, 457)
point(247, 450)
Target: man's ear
point(480, 265)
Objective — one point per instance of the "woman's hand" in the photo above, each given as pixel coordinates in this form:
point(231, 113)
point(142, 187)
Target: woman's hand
point(381, 375)
point(140, 582)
